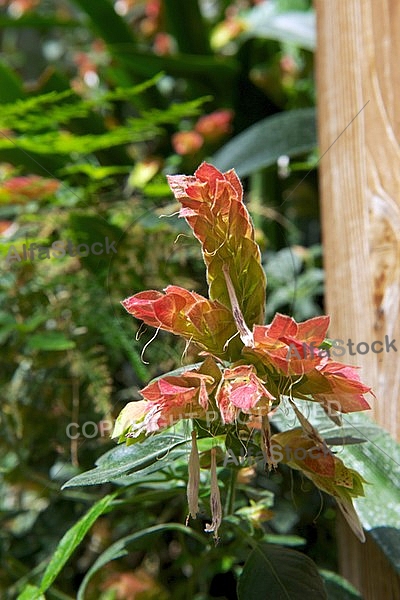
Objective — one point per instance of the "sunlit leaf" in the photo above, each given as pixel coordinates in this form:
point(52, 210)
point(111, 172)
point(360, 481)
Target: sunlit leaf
point(72, 539)
point(31, 592)
point(124, 460)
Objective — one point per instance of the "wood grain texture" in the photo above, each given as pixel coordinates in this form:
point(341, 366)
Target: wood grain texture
point(358, 69)
point(358, 65)
point(366, 566)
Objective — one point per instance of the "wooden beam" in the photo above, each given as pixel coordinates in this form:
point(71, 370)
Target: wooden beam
point(358, 91)
point(366, 566)
point(358, 81)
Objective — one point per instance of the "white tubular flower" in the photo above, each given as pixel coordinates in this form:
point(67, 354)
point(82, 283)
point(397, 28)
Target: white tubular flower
point(215, 499)
point(194, 479)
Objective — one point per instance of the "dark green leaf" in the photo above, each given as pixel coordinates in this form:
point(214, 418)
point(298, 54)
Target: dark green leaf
point(281, 574)
point(189, 30)
point(338, 588)
point(10, 86)
point(290, 133)
point(35, 20)
point(106, 22)
point(281, 539)
point(124, 460)
point(217, 75)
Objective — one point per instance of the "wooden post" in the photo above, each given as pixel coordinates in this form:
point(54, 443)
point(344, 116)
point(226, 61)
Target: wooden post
point(358, 84)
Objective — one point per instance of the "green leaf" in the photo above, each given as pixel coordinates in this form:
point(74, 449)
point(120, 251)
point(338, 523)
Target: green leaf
point(106, 22)
point(10, 86)
point(38, 119)
point(32, 323)
point(217, 76)
point(50, 341)
point(35, 20)
point(175, 112)
point(8, 324)
point(72, 539)
point(189, 30)
point(31, 592)
point(30, 114)
point(95, 172)
point(287, 540)
point(56, 108)
point(281, 574)
point(119, 548)
point(337, 587)
point(124, 460)
point(283, 267)
point(64, 142)
point(182, 65)
point(289, 133)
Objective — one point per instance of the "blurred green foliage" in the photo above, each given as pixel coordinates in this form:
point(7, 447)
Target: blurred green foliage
point(92, 94)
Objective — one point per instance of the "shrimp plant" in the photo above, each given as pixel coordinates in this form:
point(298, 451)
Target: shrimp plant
point(246, 370)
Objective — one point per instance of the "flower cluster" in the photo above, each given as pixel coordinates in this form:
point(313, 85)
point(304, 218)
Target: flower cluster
point(30, 187)
point(207, 130)
point(248, 370)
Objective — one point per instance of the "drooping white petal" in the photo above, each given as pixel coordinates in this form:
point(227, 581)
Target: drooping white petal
point(194, 479)
point(215, 499)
